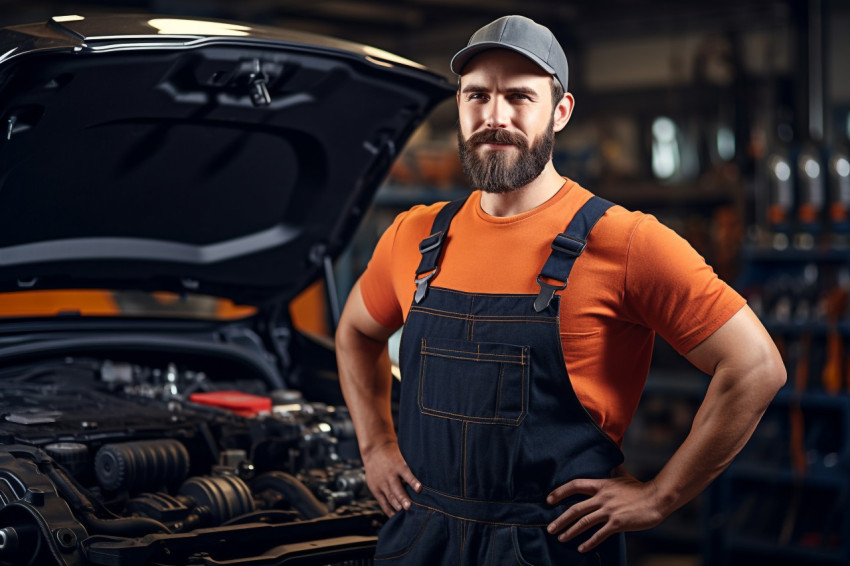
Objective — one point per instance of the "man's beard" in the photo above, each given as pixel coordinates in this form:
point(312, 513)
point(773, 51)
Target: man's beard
point(496, 172)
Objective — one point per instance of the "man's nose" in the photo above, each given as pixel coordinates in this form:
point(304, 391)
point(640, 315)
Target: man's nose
point(498, 113)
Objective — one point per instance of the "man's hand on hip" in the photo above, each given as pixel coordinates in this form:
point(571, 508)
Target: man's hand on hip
point(618, 504)
point(386, 474)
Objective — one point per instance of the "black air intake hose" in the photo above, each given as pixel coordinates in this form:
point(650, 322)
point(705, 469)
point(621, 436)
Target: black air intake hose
point(141, 466)
point(293, 491)
point(131, 527)
point(83, 508)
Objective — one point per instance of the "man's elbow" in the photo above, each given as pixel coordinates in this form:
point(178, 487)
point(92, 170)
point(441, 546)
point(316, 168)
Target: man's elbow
point(342, 336)
point(771, 372)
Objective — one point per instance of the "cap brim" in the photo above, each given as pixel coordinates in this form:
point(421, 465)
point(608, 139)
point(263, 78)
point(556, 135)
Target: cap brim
point(463, 56)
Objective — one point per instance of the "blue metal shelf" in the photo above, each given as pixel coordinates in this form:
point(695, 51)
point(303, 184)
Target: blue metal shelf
point(769, 549)
point(758, 254)
point(820, 478)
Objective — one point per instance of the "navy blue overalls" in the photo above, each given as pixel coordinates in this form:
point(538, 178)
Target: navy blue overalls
point(489, 422)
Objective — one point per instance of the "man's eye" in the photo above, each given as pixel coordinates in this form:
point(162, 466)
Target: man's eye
point(477, 96)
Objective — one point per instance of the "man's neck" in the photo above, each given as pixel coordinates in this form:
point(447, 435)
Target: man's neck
point(532, 195)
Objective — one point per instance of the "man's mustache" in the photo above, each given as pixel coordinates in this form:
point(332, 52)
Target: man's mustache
point(502, 137)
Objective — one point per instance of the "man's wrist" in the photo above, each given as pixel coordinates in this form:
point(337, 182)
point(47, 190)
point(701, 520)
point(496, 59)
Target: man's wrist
point(666, 499)
point(376, 444)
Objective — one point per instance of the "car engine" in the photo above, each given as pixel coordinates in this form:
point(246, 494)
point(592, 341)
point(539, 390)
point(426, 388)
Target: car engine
point(111, 461)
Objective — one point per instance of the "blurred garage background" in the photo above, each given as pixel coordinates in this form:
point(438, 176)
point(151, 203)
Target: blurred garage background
point(730, 121)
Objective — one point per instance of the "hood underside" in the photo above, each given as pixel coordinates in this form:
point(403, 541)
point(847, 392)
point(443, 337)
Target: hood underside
point(177, 155)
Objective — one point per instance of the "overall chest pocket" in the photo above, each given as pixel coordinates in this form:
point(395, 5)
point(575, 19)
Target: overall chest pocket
point(480, 382)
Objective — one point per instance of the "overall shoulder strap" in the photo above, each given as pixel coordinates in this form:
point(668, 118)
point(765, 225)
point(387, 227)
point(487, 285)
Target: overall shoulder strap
point(432, 246)
point(566, 248)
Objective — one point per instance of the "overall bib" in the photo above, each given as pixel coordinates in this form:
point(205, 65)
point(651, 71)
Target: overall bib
point(489, 421)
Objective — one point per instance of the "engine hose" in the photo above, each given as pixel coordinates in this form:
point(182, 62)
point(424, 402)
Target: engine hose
point(67, 489)
point(274, 516)
point(295, 493)
point(121, 526)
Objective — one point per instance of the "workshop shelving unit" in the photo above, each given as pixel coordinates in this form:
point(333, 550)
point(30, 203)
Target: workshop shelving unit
point(785, 498)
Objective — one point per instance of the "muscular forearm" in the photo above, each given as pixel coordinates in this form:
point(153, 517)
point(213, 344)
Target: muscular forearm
point(365, 378)
point(747, 372)
point(364, 374)
point(725, 421)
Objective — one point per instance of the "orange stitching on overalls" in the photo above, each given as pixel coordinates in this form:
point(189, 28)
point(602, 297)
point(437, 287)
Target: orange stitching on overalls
point(478, 420)
point(483, 318)
point(471, 500)
point(430, 310)
point(459, 518)
point(421, 392)
point(462, 540)
point(467, 293)
point(446, 316)
point(522, 392)
point(425, 410)
point(515, 360)
point(499, 393)
point(464, 428)
point(492, 546)
point(412, 545)
point(514, 542)
point(433, 349)
point(478, 355)
point(470, 324)
point(492, 318)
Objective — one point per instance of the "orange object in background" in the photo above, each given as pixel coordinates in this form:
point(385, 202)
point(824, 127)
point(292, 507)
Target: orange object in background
point(226, 309)
point(53, 303)
point(833, 374)
point(309, 311)
point(98, 302)
point(808, 213)
point(777, 214)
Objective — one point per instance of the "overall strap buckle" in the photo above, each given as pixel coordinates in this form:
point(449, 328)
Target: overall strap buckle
point(547, 291)
point(566, 248)
point(568, 245)
point(431, 248)
point(422, 285)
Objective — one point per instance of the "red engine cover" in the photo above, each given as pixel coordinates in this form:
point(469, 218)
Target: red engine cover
point(237, 402)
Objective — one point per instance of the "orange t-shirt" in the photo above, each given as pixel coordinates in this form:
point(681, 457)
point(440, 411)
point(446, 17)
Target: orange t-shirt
point(636, 277)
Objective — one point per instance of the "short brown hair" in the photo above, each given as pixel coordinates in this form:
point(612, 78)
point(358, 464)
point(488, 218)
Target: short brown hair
point(557, 92)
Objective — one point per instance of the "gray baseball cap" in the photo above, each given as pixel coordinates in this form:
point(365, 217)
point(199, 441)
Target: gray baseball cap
point(522, 35)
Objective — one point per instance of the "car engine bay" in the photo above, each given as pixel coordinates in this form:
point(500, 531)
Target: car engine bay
point(111, 461)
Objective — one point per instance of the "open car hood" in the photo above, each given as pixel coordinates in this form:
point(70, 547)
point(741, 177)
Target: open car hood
point(224, 159)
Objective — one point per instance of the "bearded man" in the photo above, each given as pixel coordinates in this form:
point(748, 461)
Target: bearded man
point(529, 312)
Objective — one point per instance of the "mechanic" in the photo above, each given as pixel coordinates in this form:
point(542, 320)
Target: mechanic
point(517, 388)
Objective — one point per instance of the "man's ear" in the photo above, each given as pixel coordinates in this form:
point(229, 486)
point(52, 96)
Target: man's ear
point(563, 111)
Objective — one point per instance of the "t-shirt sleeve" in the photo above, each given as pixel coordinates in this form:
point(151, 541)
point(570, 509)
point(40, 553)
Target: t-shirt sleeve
point(672, 290)
point(376, 283)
